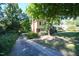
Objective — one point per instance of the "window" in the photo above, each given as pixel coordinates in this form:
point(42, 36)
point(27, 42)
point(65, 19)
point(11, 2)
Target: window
point(39, 23)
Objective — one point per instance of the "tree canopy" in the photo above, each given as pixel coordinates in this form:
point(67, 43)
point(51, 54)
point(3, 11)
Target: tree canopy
point(11, 16)
point(53, 10)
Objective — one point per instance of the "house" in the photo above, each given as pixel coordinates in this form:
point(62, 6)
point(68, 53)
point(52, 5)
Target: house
point(37, 26)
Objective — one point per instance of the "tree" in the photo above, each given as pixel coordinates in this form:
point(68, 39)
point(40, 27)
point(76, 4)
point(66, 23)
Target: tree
point(52, 12)
point(12, 20)
point(25, 24)
point(1, 18)
point(1, 12)
point(44, 11)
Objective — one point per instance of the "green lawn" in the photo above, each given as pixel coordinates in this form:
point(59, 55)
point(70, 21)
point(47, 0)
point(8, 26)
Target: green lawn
point(7, 41)
point(67, 34)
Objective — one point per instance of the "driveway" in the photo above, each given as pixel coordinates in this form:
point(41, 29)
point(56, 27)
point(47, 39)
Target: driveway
point(25, 47)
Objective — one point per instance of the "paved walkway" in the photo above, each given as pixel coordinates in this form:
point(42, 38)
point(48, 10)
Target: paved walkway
point(24, 47)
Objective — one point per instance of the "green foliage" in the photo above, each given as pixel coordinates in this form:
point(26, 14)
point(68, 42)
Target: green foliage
point(1, 11)
point(1, 29)
point(6, 42)
point(43, 11)
point(12, 20)
point(57, 43)
point(77, 50)
point(25, 24)
point(77, 45)
point(12, 11)
point(50, 11)
point(32, 35)
point(77, 22)
point(70, 47)
point(10, 25)
point(14, 17)
point(13, 26)
point(74, 37)
point(67, 34)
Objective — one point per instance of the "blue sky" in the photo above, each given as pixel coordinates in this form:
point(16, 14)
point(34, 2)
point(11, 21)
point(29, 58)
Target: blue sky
point(23, 6)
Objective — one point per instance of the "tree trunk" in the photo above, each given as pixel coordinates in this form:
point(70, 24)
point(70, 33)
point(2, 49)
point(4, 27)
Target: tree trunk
point(49, 29)
point(48, 32)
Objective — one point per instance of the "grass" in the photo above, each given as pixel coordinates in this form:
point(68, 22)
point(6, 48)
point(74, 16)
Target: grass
point(68, 44)
point(7, 41)
point(74, 37)
point(67, 34)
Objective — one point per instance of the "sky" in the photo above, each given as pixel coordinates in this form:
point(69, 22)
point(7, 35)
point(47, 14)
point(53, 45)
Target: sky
point(23, 6)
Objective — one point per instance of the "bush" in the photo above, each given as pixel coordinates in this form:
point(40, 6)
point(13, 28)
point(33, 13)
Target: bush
point(25, 24)
point(6, 42)
point(70, 47)
point(1, 30)
point(13, 26)
point(77, 46)
point(32, 35)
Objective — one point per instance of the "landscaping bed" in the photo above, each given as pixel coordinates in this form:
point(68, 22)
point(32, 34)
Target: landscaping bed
point(67, 43)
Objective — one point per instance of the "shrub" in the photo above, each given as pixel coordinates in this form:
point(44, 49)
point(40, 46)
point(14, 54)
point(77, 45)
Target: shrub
point(32, 35)
point(77, 46)
point(13, 26)
point(25, 24)
point(70, 47)
point(6, 42)
point(58, 43)
point(1, 30)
